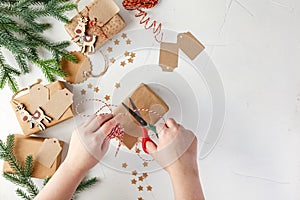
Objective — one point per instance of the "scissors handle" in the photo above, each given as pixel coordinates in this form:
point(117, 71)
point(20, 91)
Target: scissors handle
point(146, 139)
point(152, 128)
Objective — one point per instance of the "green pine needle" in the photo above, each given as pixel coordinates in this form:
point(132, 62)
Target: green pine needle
point(85, 184)
point(21, 34)
point(23, 194)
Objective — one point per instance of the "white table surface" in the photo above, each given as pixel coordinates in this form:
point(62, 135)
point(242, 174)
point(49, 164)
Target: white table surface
point(255, 46)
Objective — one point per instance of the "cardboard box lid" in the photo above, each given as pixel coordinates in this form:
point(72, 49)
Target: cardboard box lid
point(25, 146)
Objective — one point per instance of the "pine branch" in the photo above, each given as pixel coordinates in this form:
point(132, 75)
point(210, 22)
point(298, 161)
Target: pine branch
point(86, 184)
point(23, 194)
point(21, 34)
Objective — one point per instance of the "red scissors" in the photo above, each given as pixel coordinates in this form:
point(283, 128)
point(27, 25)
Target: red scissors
point(144, 125)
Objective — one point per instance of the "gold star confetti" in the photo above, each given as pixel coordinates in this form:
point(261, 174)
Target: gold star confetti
point(89, 85)
point(123, 63)
point(141, 178)
point(96, 89)
point(117, 85)
point(107, 97)
point(140, 188)
point(126, 53)
point(130, 60)
point(124, 35)
point(149, 188)
point(112, 60)
point(145, 164)
point(145, 175)
point(124, 165)
point(133, 181)
point(117, 42)
point(132, 55)
point(140, 198)
point(134, 173)
point(128, 41)
point(137, 150)
point(83, 92)
point(109, 49)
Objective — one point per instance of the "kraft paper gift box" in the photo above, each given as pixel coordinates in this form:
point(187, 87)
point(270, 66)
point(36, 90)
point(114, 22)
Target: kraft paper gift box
point(25, 146)
point(106, 13)
point(54, 92)
point(143, 97)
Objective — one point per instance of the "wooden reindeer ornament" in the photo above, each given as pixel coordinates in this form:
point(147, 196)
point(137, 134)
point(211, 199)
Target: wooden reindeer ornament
point(81, 37)
point(34, 119)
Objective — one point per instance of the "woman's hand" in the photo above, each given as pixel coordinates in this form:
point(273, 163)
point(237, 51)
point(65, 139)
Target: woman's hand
point(88, 144)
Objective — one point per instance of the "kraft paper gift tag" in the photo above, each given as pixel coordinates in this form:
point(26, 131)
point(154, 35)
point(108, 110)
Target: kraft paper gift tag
point(168, 56)
point(59, 103)
point(143, 97)
point(48, 152)
point(39, 94)
point(189, 44)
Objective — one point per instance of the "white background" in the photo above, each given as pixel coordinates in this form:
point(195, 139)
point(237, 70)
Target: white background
point(255, 46)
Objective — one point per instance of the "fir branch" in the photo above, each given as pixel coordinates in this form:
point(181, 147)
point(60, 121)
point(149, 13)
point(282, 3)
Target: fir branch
point(85, 184)
point(23, 194)
point(21, 34)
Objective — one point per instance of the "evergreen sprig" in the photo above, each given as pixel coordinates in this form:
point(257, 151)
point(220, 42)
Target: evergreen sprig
point(21, 34)
point(22, 173)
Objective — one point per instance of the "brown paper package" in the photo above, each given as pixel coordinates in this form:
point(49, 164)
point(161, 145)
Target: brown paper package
point(25, 99)
point(143, 97)
point(106, 11)
point(25, 146)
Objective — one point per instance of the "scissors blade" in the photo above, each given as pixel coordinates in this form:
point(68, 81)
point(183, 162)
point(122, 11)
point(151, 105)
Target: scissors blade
point(134, 107)
point(138, 118)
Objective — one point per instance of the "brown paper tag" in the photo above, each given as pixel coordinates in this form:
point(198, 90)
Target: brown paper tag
point(59, 103)
point(48, 152)
point(168, 57)
point(189, 44)
point(39, 95)
point(103, 10)
point(75, 71)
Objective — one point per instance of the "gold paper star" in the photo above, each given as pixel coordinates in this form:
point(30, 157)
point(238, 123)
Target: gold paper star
point(133, 181)
point(130, 60)
point(124, 36)
point(134, 173)
point(149, 188)
point(107, 97)
point(117, 42)
point(145, 175)
point(126, 53)
point(141, 178)
point(140, 198)
point(140, 188)
point(83, 92)
point(124, 165)
point(123, 63)
point(90, 85)
point(117, 85)
point(96, 89)
point(137, 150)
point(145, 164)
point(109, 49)
point(132, 55)
point(112, 60)
point(128, 41)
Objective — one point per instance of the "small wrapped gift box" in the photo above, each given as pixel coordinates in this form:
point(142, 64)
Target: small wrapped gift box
point(42, 107)
point(104, 21)
point(25, 146)
point(153, 108)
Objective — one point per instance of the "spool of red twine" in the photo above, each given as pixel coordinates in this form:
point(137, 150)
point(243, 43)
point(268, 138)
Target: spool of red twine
point(136, 4)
